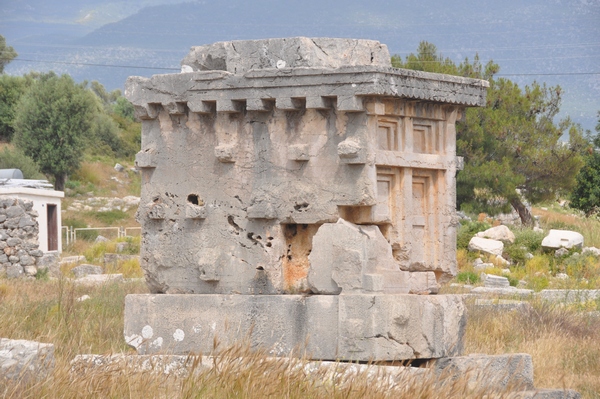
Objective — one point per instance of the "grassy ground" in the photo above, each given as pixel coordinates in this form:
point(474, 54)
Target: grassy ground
point(48, 311)
point(563, 342)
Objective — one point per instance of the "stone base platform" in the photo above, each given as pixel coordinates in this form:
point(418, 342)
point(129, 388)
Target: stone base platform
point(357, 327)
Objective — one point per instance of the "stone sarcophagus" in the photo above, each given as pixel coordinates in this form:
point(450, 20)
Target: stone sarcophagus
point(295, 188)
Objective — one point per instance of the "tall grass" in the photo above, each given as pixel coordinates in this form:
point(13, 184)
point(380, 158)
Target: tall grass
point(563, 342)
point(588, 227)
point(51, 312)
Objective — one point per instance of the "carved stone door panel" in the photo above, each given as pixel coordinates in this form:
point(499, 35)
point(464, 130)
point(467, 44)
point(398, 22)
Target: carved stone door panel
point(418, 220)
point(421, 220)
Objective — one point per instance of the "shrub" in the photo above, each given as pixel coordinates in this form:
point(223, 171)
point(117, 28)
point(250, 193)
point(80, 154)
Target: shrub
point(467, 277)
point(467, 230)
point(15, 159)
point(532, 240)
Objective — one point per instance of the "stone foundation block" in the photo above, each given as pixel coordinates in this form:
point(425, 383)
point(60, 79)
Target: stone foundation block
point(358, 327)
point(511, 372)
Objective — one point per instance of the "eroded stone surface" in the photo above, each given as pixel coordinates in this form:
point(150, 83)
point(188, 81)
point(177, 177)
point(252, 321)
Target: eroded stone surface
point(245, 159)
point(295, 52)
point(25, 360)
point(286, 166)
point(351, 327)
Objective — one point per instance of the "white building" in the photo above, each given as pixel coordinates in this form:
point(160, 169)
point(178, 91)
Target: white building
point(47, 203)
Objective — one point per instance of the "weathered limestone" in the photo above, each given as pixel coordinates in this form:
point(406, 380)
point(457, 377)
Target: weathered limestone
point(486, 245)
point(274, 138)
point(514, 371)
point(562, 239)
point(500, 233)
point(287, 166)
point(346, 327)
point(25, 360)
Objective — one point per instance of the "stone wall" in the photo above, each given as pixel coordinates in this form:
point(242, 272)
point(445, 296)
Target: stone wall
point(19, 245)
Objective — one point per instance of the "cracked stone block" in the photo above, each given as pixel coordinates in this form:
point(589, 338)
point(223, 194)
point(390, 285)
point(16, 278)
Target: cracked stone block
point(488, 246)
point(244, 55)
point(497, 373)
point(357, 327)
point(343, 252)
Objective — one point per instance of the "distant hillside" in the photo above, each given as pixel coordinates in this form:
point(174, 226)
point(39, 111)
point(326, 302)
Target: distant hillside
point(549, 36)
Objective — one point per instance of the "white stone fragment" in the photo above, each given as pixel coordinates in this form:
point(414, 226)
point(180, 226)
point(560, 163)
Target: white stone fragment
point(486, 245)
point(500, 233)
point(562, 239)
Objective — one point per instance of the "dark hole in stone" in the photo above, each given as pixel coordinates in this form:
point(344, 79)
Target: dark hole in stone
point(193, 199)
point(233, 224)
point(301, 207)
point(260, 268)
point(258, 237)
point(268, 244)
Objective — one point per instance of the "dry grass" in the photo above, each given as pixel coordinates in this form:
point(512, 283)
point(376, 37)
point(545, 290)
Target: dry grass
point(564, 343)
point(557, 218)
point(50, 312)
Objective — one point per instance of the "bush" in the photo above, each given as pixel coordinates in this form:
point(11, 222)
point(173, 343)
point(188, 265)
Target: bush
point(15, 159)
point(586, 194)
point(467, 277)
point(467, 230)
point(532, 240)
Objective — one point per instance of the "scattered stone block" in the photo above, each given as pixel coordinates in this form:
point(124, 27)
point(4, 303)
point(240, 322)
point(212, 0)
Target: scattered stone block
point(591, 250)
point(485, 245)
point(25, 360)
point(560, 252)
point(569, 296)
point(490, 280)
point(99, 279)
point(512, 372)
point(499, 233)
point(85, 269)
point(562, 239)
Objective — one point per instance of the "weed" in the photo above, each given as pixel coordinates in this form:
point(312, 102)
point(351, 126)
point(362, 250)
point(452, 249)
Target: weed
point(42, 274)
point(467, 277)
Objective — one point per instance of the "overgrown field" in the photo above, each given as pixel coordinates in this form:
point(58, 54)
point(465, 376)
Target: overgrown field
point(564, 343)
point(530, 266)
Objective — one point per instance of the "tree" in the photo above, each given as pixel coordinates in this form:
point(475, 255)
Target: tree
point(512, 147)
point(586, 194)
point(51, 122)
point(11, 89)
point(7, 54)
